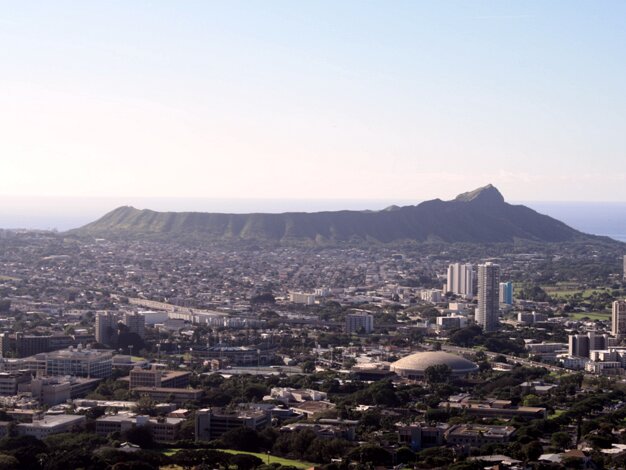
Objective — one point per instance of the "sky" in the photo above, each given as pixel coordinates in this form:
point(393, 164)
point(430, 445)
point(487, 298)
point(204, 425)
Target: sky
point(360, 100)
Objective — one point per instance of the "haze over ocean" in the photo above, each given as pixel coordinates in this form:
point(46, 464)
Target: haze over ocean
point(599, 218)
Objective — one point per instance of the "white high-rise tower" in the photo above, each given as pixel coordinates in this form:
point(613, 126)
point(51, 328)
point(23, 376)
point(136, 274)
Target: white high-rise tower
point(618, 318)
point(461, 279)
point(488, 296)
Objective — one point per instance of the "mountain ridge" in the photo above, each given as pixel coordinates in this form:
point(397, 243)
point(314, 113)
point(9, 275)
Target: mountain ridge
point(478, 216)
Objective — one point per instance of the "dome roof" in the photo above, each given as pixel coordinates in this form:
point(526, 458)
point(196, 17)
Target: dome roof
point(417, 363)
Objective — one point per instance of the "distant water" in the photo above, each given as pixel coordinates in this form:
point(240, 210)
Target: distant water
point(598, 218)
point(66, 213)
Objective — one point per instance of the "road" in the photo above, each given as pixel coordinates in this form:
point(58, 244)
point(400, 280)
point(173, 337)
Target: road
point(512, 359)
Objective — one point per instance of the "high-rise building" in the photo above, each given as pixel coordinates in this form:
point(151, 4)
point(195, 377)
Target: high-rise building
point(488, 296)
point(105, 327)
point(506, 293)
point(625, 267)
point(461, 279)
point(581, 345)
point(136, 323)
point(359, 322)
point(618, 318)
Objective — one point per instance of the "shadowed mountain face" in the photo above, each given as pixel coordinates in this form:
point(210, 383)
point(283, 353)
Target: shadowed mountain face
point(479, 216)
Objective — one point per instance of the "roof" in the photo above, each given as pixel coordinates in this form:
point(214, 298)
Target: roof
point(422, 360)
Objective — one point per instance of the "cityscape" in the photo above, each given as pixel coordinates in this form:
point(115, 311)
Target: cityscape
point(322, 235)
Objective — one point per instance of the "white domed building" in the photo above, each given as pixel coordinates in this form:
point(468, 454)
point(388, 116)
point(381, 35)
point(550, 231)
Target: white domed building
point(413, 366)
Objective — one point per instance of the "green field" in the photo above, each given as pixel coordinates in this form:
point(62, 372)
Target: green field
point(569, 291)
point(590, 315)
point(263, 457)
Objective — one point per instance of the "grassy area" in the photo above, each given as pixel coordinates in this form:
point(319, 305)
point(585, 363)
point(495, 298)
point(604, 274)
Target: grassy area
point(263, 457)
point(569, 291)
point(590, 315)
point(273, 459)
point(556, 414)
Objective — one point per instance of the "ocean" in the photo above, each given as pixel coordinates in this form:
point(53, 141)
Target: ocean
point(59, 213)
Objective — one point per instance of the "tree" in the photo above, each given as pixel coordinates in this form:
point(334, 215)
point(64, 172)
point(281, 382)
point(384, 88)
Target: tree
point(8, 462)
point(241, 439)
point(245, 461)
point(139, 435)
point(145, 406)
point(562, 440)
point(532, 450)
point(438, 374)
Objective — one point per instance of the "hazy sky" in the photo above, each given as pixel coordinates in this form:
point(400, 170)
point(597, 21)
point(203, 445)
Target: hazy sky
point(293, 99)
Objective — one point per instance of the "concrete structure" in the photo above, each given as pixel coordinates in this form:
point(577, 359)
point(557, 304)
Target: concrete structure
point(547, 351)
point(163, 429)
point(530, 318)
point(78, 362)
point(50, 390)
point(9, 382)
point(106, 326)
point(461, 279)
point(451, 322)
point(211, 423)
point(302, 298)
point(136, 323)
point(420, 436)
point(478, 435)
point(495, 409)
point(488, 296)
point(506, 293)
point(51, 424)
point(290, 395)
point(415, 365)
point(359, 322)
point(154, 377)
point(582, 345)
point(434, 296)
point(618, 318)
point(171, 395)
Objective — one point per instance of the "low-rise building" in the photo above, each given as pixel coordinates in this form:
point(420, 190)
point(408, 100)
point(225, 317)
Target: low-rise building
point(51, 424)
point(420, 436)
point(173, 395)
point(163, 429)
point(211, 423)
point(477, 435)
point(155, 377)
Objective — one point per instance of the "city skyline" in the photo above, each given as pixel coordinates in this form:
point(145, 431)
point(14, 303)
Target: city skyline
point(410, 101)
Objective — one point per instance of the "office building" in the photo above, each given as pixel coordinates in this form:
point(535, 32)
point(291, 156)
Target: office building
point(461, 279)
point(158, 378)
point(9, 382)
point(78, 362)
point(170, 395)
point(302, 298)
point(136, 323)
point(51, 424)
point(211, 423)
point(162, 429)
point(506, 293)
point(106, 326)
point(478, 435)
point(359, 323)
point(488, 296)
point(618, 318)
point(582, 345)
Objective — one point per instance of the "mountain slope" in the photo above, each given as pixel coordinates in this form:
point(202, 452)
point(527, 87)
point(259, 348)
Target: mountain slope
point(479, 216)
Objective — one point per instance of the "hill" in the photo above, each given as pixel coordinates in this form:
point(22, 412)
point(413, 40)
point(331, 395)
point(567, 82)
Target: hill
point(479, 216)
